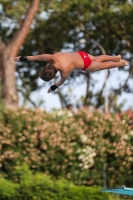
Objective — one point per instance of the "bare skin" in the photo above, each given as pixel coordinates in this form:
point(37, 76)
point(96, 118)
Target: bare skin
point(65, 63)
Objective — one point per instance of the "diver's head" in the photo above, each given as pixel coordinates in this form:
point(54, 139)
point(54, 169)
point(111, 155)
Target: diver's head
point(48, 73)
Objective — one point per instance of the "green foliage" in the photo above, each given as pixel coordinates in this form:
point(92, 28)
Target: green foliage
point(8, 190)
point(41, 187)
point(77, 146)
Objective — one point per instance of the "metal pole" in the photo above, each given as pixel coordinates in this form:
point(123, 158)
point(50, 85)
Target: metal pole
point(106, 101)
point(104, 177)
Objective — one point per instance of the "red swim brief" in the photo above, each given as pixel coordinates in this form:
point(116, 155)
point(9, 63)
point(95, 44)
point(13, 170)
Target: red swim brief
point(86, 59)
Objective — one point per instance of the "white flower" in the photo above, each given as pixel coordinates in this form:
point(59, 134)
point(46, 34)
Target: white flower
point(70, 114)
point(126, 137)
point(83, 138)
point(131, 133)
point(86, 157)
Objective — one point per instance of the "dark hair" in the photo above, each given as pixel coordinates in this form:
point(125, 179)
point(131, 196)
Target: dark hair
point(48, 72)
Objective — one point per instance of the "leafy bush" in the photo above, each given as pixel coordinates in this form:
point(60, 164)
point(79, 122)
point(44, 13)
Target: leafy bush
point(41, 187)
point(8, 190)
point(78, 146)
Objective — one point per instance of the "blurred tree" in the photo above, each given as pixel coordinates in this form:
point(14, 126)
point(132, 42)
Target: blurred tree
point(73, 25)
point(10, 43)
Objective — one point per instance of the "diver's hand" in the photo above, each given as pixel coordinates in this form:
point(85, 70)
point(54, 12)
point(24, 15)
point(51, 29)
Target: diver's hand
point(17, 59)
point(52, 89)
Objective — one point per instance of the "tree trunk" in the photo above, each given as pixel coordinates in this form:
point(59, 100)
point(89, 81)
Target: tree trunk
point(7, 65)
point(9, 92)
point(2, 48)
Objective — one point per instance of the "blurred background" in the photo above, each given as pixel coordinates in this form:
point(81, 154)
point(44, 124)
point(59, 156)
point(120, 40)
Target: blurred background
point(97, 28)
point(84, 131)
